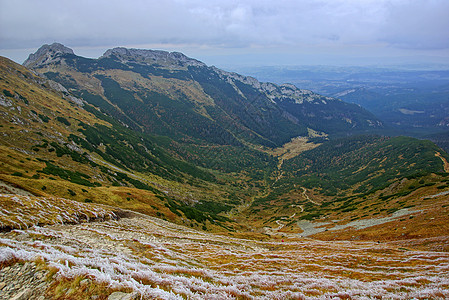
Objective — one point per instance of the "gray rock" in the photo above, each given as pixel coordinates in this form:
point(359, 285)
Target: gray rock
point(150, 57)
point(5, 102)
point(23, 295)
point(122, 296)
point(46, 54)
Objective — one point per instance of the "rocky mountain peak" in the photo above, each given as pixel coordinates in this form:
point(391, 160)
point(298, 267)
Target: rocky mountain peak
point(274, 92)
point(46, 54)
point(151, 57)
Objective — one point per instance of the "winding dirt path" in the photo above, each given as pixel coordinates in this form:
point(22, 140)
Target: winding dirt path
point(304, 192)
point(445, 162)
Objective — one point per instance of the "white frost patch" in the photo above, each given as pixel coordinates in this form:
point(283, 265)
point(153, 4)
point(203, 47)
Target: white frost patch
point(162, 260)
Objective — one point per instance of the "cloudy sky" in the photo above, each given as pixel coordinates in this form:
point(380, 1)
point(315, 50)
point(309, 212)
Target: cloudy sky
point(231, 32)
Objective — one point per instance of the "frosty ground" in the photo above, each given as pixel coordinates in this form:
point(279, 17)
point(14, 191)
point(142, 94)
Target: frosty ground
point(158, 259)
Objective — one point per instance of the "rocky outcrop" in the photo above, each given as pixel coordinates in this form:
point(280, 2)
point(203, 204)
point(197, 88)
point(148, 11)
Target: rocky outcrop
point(46, 54)
point(65, 93)
point(274, 92)
point(151, 57)
point(123, 296)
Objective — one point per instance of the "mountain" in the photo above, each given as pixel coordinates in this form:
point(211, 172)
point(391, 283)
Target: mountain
point(166, 135)
point(54, 144)
point(170, 94)
point(146, 174)
point(46, 53)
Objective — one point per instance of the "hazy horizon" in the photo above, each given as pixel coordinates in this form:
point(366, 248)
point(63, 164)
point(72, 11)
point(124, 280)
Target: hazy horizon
point(237, 33)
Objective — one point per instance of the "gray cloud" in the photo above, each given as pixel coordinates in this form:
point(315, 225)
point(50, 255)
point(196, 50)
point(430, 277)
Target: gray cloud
point(233, 24)
point(418, 24)
point(95, 22)
point(316, 22)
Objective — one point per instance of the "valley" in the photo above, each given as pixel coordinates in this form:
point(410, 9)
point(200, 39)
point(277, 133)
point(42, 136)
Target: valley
point(409, 99)
point(151, 174)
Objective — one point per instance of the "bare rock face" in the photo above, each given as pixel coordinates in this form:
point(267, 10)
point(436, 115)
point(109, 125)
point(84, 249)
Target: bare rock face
point(46, 54)
point(276, 93)
point(149, 57)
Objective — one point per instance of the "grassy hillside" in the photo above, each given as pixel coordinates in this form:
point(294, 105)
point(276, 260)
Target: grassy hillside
point(54, 144)
point(350, 179)
point(372, 162)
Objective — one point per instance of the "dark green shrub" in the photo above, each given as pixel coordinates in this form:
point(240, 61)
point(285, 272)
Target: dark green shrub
point(63, 120)
point(44, 119)
point(7, 93)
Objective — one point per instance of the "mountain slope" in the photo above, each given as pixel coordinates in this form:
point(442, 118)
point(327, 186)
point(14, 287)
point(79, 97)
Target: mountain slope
point(54, 144)
point(410, 100)
point(169, 94)
point(166, 135)
point(310, 109)
point(147, 258)
point(214, 210)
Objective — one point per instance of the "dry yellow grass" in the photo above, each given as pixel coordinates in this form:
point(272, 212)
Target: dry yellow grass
point(291, 149)
point(445, 162)
point(161, 260)
point(430, 221)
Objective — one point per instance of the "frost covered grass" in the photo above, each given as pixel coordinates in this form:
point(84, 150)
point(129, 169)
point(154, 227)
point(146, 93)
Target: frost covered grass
point(19, 212)
point(161, 260)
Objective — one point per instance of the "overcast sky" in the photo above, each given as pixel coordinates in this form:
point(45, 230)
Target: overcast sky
point(229, 32)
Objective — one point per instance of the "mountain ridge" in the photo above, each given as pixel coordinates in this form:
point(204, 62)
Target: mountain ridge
point(151, 57)
point(46, 53)
point(285, 103)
